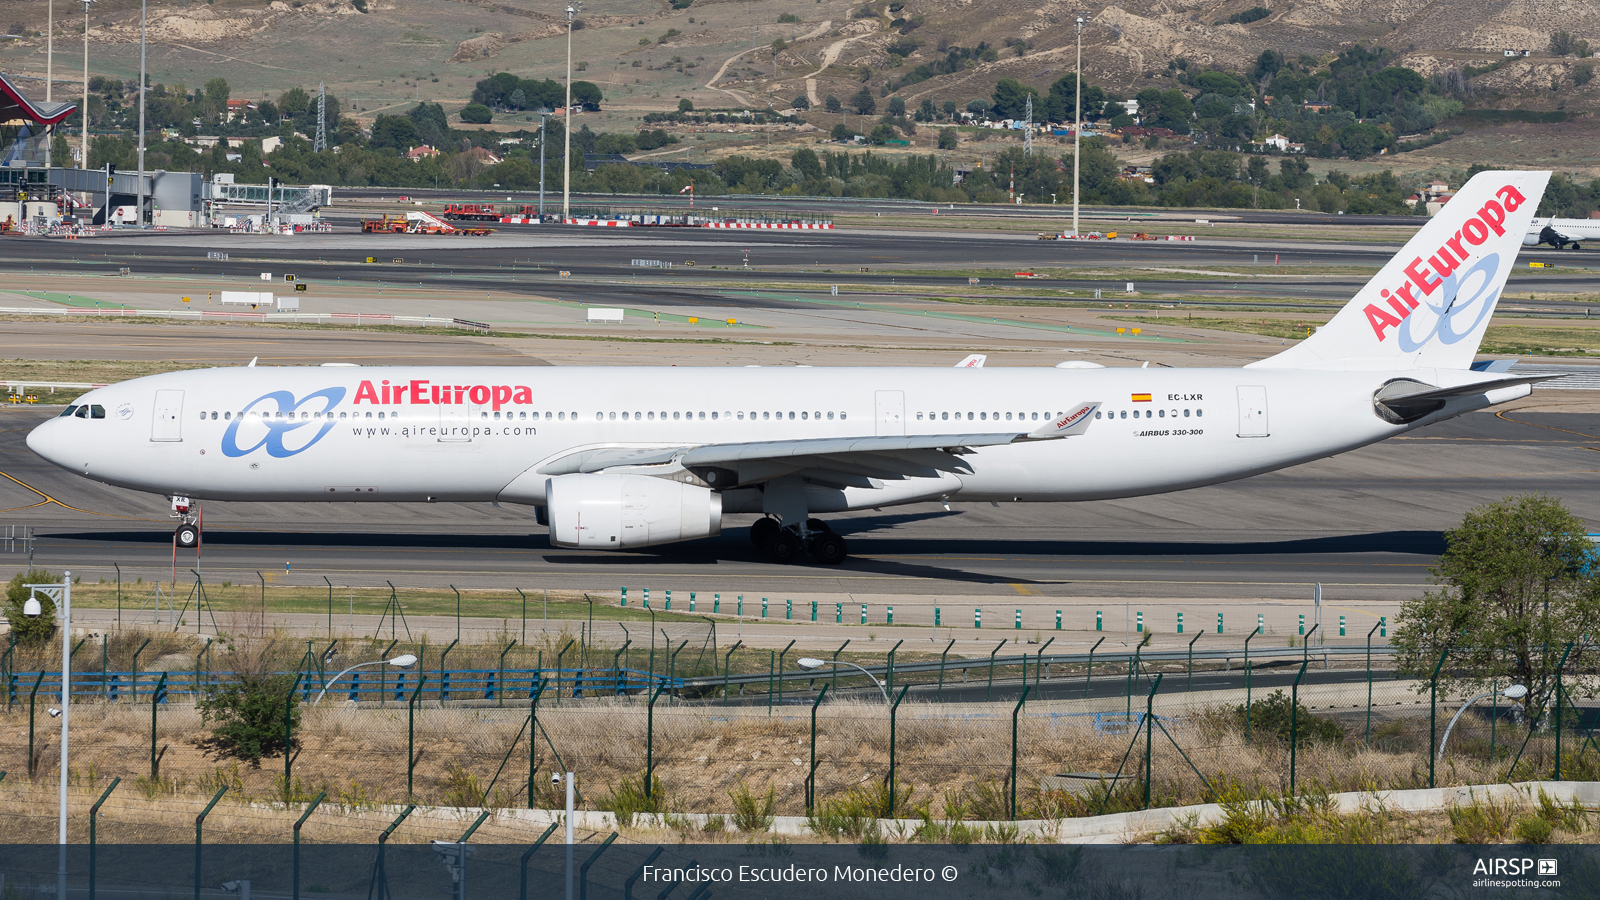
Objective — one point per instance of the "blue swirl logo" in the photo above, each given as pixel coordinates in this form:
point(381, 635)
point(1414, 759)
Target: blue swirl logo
point(1470, 293)
point(287, 430)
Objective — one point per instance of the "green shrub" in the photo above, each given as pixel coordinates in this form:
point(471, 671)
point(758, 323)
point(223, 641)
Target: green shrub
point(37, 630)
point(246, 715)
point(752, 813)
point(1480, 822)
point(1276, 714)
point(1533, 830)
point(476, 114)
point(627, 799)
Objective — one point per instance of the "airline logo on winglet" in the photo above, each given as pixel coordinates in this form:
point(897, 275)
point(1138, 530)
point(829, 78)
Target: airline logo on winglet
point(1443, 270)
point(1074, 421)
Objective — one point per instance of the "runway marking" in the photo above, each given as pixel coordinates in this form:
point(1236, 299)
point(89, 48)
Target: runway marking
point(1502, 415)
point(1024, 590)
point(49, 499)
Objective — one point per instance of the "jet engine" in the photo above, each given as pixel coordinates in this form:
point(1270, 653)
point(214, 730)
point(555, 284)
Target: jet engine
point(620, 512)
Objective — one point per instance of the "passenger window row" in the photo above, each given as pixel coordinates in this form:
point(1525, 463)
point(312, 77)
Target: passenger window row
point(1148, 414)
point(755, 415)
point(214, 415)
point(984, 416)
point(87, 411)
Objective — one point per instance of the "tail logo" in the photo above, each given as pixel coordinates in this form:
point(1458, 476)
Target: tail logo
point(281, 422)
point(1442, 272)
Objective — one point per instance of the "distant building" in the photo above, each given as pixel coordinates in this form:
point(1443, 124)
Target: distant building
point(237, 108)
point(1316, 106)
point(422, 152)
point(482, 155)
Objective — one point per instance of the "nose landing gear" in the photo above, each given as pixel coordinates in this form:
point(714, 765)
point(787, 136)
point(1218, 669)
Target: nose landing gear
point(187, 534)
point(788, 544)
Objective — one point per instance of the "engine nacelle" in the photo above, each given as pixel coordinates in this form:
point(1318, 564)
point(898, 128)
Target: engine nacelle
point(619, 512)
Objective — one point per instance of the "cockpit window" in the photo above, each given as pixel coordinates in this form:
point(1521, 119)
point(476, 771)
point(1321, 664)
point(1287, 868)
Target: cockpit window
point(68, 411)
point(82, 413)
point(97, 411)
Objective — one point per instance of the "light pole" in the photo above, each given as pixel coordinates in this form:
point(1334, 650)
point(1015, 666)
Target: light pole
point(405, 661)
point(1514, 692)
point(142, 4)
point(809, 663)
point(85, 162)
point(49, 71)
point(1077, 129)
point(543, 115)
point(566, 156)
point(62, 595)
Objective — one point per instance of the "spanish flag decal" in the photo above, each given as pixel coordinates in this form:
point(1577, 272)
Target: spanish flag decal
point(1141, 398)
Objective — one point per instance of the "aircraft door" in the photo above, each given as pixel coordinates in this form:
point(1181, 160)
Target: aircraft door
point(891, 412)
point(1252, 410)
point(167, 421)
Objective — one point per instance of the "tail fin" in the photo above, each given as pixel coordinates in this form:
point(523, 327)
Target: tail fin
point(1429, 307)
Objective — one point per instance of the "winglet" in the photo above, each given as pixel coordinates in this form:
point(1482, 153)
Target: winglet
point(1067, 424)
point(975, 361)
point(252, 364)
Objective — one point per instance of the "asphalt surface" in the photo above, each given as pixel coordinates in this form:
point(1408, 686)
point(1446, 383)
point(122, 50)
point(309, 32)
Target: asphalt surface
point(530, 259)
point(1366, 525)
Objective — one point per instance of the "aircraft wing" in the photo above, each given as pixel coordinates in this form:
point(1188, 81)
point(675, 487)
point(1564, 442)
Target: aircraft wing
point(863, 461)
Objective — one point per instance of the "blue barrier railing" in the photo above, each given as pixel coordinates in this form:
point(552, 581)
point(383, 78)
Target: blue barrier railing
point(454, 684)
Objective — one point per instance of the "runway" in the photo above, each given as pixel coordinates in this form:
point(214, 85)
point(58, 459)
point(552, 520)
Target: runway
point(530, 260)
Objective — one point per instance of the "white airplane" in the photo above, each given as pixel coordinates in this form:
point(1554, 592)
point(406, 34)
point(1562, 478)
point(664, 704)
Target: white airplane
point(628, 457)
point(1560, 233)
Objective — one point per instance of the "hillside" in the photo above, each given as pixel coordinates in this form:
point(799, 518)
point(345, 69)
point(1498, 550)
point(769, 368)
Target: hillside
point(646, 54)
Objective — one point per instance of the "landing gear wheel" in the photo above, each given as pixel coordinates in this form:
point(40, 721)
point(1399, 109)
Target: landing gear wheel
point(818, 526)
point(763, 529)
point(829, 549)
point(782, 547)
point(187, 536)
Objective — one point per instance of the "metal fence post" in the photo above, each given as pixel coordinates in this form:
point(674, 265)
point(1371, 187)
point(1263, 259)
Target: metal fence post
point(836, 665)
point(726, 661)
point(650, 740)
point(288, 734)
point(1149, 726)
point(380, 873)
point(1294, 731)
point(1247, 682)
point(94, 815)
point(1015, 713)
point(155, 705)
point(890, 670)
point(616, 668)
point(522, 893)
point(1038, 665)
point(583, 871)
point(31, 696)
point(785, 652)
point(1088, 674)
point(444, 674)
point(411, 734)
point(1369, 691)
point(500, 683)
point(298, 824)
point(811, 778)
point(559, 656)
point(893, 710)
point(990, 689)
point(627, 886)
point(199, 825)
point(1560, 667)
point(941, 668)
point(1189, 682)
point(1433, 711)
point(533, 733)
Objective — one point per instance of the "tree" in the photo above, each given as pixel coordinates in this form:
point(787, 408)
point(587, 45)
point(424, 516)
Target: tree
point(801, 102)
point(431, 123)
point(1010, 98)
point(36, 630)
point(686, 105)
point(216, 93)
point(1561, 43)
point(832, 103)
point(586, 95)
point(897, 106)
point(519, 99)
point(294, 101)
point(947, 139)
point(978, 107)
point(476, 114)
point(1517, 584)
point(806, 163)
point(881, 134)
point(863, 102)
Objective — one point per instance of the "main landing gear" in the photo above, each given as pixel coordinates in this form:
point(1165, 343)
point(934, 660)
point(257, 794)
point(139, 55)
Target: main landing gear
point(781, 544)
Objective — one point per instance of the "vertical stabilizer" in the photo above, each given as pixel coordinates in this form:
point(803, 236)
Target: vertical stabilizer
point(1429, 307)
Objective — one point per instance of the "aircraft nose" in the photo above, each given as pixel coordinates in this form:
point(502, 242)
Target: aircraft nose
point(42, 440)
